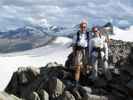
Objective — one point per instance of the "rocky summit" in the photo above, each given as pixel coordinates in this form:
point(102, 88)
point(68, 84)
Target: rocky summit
point(55, 81)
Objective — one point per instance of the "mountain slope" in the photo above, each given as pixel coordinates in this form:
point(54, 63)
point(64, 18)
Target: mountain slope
point(56, 51)
point(125, 35)
point(25, 38)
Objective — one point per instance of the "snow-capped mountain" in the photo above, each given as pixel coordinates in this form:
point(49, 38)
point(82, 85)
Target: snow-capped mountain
point(24, 38)
point(34, 36)
point(31, 36)
point(56, 28)
point(25, 32)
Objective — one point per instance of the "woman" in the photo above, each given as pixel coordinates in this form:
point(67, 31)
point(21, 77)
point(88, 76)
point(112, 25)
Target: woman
point(98, 52)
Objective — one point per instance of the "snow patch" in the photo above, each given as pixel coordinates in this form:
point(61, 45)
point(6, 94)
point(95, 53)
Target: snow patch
point(55, 52)
point(125, 35)
point(62, 40)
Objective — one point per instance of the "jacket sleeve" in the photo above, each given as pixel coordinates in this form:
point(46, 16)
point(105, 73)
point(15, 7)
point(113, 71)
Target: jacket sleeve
point(91, 35)
point(106, 50)
point(90, 48)
point(74, 39)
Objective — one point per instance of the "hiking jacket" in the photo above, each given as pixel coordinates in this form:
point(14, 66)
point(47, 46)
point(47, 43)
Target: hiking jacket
point(98, 42)
point(82, 39)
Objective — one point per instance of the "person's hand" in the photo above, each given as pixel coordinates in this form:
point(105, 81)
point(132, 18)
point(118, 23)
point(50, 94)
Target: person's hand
point(106, 58)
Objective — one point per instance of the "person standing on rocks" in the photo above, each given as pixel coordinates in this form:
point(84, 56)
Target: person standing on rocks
point(98, 53)
point(80, 49)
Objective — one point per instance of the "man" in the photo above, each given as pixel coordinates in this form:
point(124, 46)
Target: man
point(98, 52)
point(80, 48)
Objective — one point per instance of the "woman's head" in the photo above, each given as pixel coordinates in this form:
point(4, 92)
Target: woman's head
point(96, 30)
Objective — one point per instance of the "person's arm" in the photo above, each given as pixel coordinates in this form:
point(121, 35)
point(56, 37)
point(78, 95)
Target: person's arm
point(106, 50)
point(74, 39)
point(91, 35)
point(90, 48)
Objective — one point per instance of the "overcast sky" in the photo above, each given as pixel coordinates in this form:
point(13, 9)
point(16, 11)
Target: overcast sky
point(17, 13)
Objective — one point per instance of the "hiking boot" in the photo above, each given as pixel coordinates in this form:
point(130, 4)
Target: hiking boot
point(93, 76)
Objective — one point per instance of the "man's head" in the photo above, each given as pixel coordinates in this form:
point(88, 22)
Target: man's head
point(83, 26)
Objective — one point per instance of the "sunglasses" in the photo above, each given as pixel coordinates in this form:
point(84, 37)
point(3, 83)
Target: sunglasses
point(83, 26)
point(95, 30)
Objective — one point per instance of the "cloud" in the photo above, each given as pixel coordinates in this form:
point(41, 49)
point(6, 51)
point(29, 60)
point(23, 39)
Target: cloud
point(15, 13)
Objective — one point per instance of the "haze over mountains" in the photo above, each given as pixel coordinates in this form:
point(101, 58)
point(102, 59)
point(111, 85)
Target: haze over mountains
point(32, 36)
point(25, 38)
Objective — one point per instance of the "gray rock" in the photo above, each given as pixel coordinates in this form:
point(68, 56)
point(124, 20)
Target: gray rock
point(6, 96)
point(128, 69)
point(67, 96)
point(27, 74)
point(131, 56)
point(116, 71)
point(85, 90)
point(114, 59)
point(23, 82)
point(130, 85)
point(100, 91)
point(43, 94)
point(13, 87)
point(100, 82)
point(94, 97)
point(119, 88)
point(34, 96)
point(53, 64)
point(76, 93)
point(118, 95)
point(55, 87)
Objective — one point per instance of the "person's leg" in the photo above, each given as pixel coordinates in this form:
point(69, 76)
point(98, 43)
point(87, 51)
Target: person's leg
point(106, 67)
point(94, 62)
point(87, 55)
point(77, 64)
point(85, 62)
point(106, 70)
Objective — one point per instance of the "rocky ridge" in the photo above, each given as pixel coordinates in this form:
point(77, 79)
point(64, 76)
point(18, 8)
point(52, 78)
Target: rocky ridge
point(55, 81)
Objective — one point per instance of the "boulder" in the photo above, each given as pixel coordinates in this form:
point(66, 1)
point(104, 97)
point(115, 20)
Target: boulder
point(67, 96)
point(55, 87)
point(84, 90)
point(130, 84)
point(76, 93)
point(43, 95)
point(27, 74)
point(33, 96)
point(130, 87)
point(13, 87)
point(94, 97)
point(53, 64)
point(6, 96)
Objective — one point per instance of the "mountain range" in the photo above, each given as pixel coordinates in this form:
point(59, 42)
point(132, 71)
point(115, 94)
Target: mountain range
point(32, 36)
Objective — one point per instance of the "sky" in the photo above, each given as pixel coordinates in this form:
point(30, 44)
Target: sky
point(18, 13)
